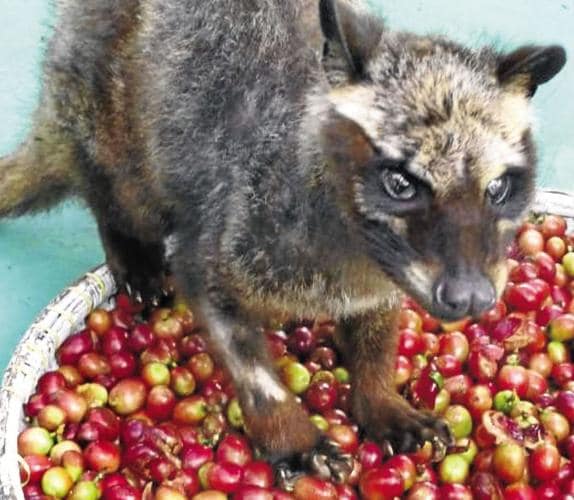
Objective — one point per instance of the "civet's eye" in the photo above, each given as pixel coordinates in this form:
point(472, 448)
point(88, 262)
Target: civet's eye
point(397, 185)
point(499, 190)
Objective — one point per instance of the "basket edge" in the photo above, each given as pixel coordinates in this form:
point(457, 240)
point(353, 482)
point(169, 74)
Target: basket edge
point(554, 201)
point(90, 290)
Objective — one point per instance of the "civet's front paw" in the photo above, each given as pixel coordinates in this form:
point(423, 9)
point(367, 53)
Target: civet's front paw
point(326, 461)
point(404, 429)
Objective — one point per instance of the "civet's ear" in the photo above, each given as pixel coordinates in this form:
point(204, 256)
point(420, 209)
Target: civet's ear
point(530, 66)
point(352, 36)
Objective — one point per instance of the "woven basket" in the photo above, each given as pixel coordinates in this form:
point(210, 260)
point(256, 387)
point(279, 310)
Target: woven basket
point(35, 355)
point(65, 315)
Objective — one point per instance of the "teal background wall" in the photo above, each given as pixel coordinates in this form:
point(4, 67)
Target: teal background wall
point(40, 255)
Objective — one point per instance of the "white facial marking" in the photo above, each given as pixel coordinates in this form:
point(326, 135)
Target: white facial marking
point(497, 159)
point(398, 225)
point(356, 103)
point(420, 172)
point(418, 276)
point(516, 109)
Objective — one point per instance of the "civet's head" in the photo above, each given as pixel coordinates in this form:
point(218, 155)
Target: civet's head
point(429, 147)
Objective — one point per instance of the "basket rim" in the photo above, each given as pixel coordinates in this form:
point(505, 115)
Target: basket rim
point(556, 201)
point(52, 325)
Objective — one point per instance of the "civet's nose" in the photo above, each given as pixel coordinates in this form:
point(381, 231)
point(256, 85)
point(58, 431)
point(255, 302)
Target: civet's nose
point(462, 294)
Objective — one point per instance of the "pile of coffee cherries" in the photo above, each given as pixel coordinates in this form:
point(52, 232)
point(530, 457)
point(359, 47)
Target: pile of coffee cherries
point(139, 409)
